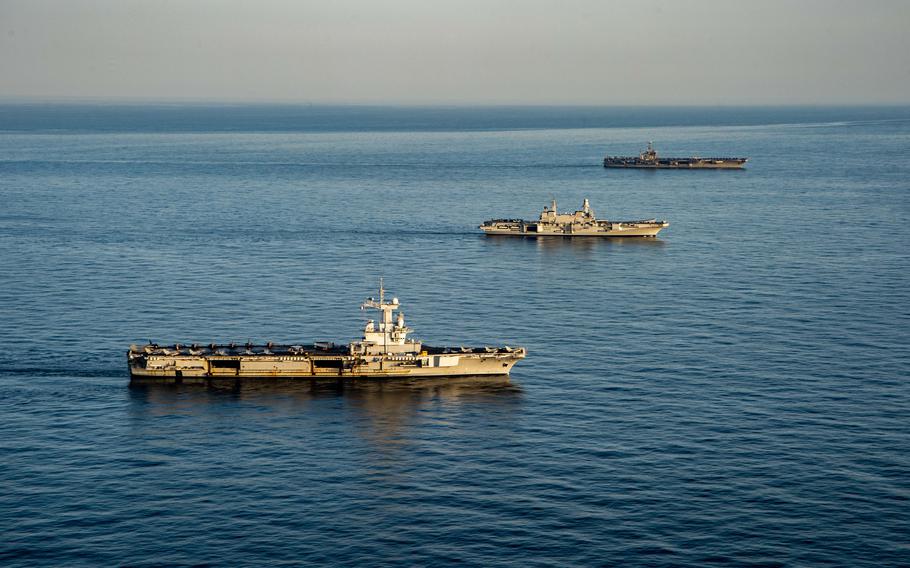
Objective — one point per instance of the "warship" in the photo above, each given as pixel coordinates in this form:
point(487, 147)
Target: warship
point(384, 350)
point(650, 159)
point(581, 223)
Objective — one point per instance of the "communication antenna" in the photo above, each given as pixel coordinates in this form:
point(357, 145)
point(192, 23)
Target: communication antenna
point(385, 326)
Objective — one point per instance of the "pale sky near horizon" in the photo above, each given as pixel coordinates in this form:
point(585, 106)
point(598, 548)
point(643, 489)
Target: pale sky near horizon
point(459, 52)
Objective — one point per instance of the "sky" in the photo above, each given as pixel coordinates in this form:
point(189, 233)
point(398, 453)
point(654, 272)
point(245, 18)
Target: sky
point(566, 52)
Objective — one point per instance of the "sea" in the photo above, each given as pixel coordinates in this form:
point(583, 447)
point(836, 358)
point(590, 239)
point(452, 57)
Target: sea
point(735, 392)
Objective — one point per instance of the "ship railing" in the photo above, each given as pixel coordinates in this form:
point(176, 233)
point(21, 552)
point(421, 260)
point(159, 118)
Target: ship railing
point(724, 158)
point(234, 350)
point(469, 350)
point(604, 222)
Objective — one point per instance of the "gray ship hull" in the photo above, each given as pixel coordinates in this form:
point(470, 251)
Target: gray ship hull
point(649, 160)
point(677, 163)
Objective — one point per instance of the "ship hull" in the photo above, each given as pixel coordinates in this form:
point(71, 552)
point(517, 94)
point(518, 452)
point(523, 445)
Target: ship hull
point(625, 233)
point(617, 230)
point(676, 164)
point(181, 368)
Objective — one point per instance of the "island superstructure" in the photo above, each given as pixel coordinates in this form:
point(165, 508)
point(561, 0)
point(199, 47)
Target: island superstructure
point(650, 160)
point(581, 223)
point(384, 350)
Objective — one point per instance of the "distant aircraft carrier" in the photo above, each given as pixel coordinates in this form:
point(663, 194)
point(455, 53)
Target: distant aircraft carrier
point(650, 159)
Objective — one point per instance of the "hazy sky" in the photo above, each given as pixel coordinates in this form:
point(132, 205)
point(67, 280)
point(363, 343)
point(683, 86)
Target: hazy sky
point(463, 52)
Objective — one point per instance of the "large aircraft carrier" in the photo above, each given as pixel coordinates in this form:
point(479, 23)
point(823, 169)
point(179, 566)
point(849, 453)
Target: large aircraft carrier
point(383, 351)
point(650, 160)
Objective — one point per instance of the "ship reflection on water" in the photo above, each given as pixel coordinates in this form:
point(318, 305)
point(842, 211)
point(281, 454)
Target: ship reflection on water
point(302, 389)
point(578, 245)
point(380, 412)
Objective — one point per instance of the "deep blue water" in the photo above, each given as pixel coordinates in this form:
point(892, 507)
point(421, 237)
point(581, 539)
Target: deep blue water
point(734, 393)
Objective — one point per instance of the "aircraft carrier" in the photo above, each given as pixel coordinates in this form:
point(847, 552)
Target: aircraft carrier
point(650, 160)
point(581, 223)
point(384, 351)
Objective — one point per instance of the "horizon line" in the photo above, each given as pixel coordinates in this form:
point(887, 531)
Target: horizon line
point(5, 99)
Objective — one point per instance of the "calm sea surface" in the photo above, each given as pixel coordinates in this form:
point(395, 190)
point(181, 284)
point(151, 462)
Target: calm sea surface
point(734, 393)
